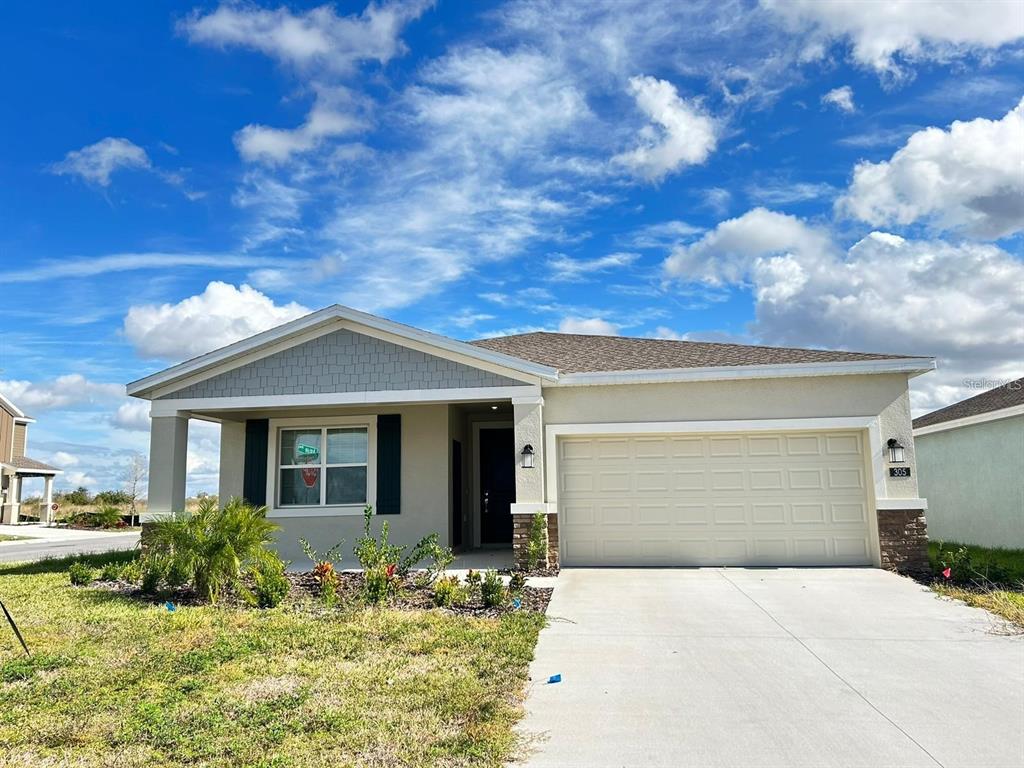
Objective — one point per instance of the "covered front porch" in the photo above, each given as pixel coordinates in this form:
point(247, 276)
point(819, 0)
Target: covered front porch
point(13, 475)
point(455, 467)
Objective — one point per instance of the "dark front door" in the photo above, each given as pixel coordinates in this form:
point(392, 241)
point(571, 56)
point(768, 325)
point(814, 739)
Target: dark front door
point(497, 485)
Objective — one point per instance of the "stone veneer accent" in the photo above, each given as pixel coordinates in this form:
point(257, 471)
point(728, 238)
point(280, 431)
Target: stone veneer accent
point(521, 537)
point(903, 540)
point(342, 361)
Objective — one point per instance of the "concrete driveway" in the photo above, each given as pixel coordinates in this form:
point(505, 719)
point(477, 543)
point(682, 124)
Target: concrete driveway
point(787, 668)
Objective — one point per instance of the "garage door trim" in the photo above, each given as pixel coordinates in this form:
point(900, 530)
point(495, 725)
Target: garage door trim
point(875, 459)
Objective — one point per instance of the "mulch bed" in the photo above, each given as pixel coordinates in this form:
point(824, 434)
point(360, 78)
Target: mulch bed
point(305, 593)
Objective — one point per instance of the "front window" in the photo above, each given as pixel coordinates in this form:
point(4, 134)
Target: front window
point(322, 467)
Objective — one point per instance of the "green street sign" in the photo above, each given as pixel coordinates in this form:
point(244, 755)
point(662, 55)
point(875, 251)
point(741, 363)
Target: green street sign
point(306, 450)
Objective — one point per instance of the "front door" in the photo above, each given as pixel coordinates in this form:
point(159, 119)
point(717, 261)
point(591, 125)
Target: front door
point(497, 485)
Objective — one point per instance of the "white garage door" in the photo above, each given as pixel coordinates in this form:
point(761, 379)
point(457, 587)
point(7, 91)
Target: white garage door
point(725, 499)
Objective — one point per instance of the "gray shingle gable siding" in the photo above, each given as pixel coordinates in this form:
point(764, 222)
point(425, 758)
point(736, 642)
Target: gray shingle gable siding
point(342, 361)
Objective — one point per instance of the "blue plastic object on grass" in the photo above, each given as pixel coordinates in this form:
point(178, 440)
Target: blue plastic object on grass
point(555, 679)
point(517, 603)
point(170, 606)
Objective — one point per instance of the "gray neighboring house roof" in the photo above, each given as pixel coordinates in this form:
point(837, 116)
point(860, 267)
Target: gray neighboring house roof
point(1005, 396)
point(580, 353)
point(25, 464)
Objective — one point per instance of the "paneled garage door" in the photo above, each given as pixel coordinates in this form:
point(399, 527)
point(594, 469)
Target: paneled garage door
point(725, 499)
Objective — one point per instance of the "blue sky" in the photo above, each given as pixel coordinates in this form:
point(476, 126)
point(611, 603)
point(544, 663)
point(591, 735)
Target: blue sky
point(794, 173)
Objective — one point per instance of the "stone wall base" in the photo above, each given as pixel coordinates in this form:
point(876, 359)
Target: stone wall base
point(521, 538)
point(903, 540)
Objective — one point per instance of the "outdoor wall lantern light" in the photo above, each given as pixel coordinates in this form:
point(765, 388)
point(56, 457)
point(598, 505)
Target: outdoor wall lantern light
point(895, 451)
point(527, 456)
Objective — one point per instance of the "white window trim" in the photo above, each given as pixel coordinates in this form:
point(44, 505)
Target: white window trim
point(325, 422)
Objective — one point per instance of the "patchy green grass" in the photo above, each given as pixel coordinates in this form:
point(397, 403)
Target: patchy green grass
point(9, 537)
point(117, 682)
point(1009, 563)
point(995, 582)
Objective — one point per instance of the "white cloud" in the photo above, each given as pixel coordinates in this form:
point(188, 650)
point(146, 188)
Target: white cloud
point(969, 177)
point(218, 316)
point(903, 30)
point(565, 268)
point(782, 191)
point(717, 200)
point(335, 113)
point(588, 325)
point(96, 162)
point(127, 262)
point(132, 415)
point(685, 135)
point(662, 234)
point(69, 391)
point(317, 38)
point(63, 459)
point(884, 294)
point(841, 98)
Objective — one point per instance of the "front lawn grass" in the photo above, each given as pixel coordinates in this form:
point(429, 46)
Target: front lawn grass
point(9, 537)
point(1004, 597)
point(115, 681)
point(1009, 561)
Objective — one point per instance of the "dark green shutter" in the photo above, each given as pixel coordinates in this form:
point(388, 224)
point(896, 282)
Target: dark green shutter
point(389, 465)
point(254, 476)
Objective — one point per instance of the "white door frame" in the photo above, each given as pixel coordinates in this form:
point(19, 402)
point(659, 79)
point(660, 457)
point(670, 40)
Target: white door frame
point(874, 459)
point(476, 427)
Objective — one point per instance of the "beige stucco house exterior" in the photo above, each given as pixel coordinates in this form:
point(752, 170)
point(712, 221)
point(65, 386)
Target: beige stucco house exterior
point(638, 451)
point(15, 467)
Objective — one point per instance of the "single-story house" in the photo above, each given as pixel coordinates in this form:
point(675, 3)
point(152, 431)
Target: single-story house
point(637, 451)
point(971, 458)
point(16, 467)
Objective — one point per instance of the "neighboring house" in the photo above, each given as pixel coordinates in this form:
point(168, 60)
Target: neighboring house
point(15, 466)
point(638, 451)
point(971, 458)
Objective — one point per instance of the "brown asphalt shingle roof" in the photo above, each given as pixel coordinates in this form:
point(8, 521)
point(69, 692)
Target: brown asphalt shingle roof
point(1005, 396)
point(25, 464)
point(579, 353)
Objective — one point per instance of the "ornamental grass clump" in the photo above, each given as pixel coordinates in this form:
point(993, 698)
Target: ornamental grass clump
point(213, 549)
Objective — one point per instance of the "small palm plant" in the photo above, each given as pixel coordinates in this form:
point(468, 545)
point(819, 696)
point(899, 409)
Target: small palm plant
point(214, 548)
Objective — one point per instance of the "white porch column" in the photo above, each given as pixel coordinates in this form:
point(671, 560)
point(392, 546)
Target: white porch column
point(46, 513)
point(14, 497)
point(528, 420)
point(232, 460)
point(168, 454)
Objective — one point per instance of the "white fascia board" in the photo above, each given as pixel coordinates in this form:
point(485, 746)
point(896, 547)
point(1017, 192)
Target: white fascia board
point(913, 365)
point(24, 420)
point(240, 348)
point(14, 410)
point(967, 421)
point(171, 407)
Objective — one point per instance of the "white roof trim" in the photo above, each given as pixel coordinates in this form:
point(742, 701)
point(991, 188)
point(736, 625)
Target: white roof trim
point(912, 365)
point(18, 413)
point(336, 312)
point(966, 421)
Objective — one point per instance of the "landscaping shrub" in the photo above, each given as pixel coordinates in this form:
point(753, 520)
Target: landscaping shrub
point(107, 516)
point(537, 544)
point(973, 566)
point(379, 583)
point(373, 551)
point(516, 583)
point(152, 569)
point(80, 573)
point(270, 586)
point(110, 572)
point(214, 548)
point(492, 590)
point(448, 592)
point(131, 572)
point(323, 567)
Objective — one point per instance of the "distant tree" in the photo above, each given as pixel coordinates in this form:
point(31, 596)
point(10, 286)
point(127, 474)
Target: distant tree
point(135, 475)
point(115, 498)
point(79, 497)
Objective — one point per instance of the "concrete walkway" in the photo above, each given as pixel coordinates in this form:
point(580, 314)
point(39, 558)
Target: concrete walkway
point(786, 668)
point(43, 542)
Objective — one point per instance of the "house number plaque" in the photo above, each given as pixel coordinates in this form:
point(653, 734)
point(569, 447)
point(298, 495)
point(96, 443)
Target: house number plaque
point(899, 471)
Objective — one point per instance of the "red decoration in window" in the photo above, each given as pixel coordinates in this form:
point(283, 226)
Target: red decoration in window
point(310, 475)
